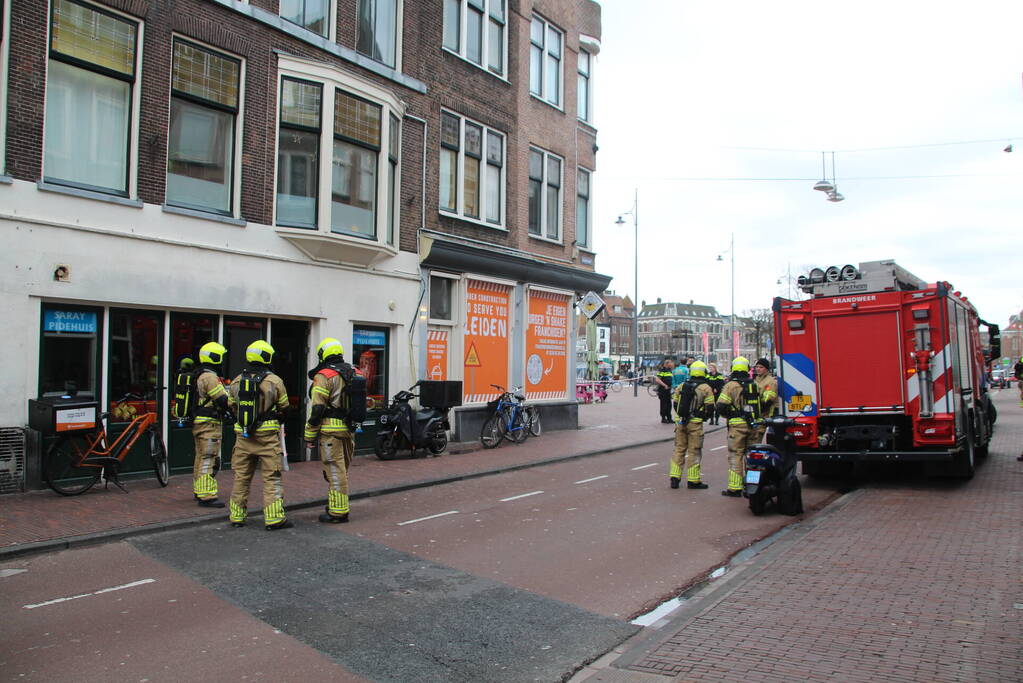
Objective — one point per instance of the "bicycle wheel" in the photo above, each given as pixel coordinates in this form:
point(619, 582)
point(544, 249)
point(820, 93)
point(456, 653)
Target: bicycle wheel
point(517, 429)
point(651, 389)
point(63, 470)
point(533, 421)
point(616, 386)
point(158, 453)
point(492, 432)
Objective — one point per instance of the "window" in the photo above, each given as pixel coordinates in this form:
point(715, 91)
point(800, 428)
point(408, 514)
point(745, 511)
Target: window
point(89, 83)
point(477, 30)
point(354, 183)
point(69, 350)
point(440, 297)
point(393, 150)
point(377, 30)
point(298, 153)
point(135, 352)
point(370, 355)
point(545, 51)
point(583, 86)
point(200, 148)
point(544, 194)
point(311, 14)
point(475, 154)
point(582, 210)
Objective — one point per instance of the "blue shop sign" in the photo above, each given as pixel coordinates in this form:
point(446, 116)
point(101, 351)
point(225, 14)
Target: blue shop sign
point(80, 322)
point(369, 337)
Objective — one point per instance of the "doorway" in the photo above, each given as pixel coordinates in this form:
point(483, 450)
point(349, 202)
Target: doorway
point(290, 339)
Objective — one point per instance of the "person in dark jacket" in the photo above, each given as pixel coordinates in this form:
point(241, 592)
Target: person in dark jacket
point(716, 380)
point(663, 382)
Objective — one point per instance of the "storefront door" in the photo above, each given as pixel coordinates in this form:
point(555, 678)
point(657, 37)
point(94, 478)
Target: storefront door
point(135, 345)
point(290, 339)
point(239, 332)
point(189, 331)
point(371, 355)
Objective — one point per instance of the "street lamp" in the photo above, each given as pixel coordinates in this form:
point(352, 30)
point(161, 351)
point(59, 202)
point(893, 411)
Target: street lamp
point(634, 212)
point(731, 333)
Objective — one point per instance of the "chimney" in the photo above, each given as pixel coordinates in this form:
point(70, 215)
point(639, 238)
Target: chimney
point(658, 299)
point(690, 302)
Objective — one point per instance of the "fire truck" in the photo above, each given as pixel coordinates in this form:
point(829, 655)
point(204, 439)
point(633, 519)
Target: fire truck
point(878, 365)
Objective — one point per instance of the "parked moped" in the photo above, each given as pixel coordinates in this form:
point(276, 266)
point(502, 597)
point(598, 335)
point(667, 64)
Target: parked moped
point(401, 427)
point(771, 470)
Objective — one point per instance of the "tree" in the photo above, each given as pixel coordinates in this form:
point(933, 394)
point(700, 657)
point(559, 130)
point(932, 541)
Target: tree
point(762, 321)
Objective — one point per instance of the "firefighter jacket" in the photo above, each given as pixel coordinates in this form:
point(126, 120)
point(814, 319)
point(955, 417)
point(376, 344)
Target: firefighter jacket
point(768, 387)
point(739, 406)
point(273, 402)
point(703, 403)
point(325, 405)
point(208, 392)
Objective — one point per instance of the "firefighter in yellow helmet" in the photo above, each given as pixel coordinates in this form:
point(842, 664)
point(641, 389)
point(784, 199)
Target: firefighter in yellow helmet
point(768, 387)
point(694, 402)
point(207, 426)
point(259, 399)
point(739, 404)
point(326, 427)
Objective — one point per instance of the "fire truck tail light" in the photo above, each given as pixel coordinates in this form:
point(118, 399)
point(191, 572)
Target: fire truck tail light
point(798, 432)
point(936, 429)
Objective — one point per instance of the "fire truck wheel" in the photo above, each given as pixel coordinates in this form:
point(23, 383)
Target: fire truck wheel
point(963, 464)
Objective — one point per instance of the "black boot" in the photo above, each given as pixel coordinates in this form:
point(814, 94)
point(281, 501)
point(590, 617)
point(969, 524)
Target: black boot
point(674, 482)
point(696, 485)
point(732, 494)
point(328, 518)
point(211, 503)
point(285, 524)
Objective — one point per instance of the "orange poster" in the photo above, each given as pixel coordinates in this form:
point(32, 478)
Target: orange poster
point(547, 339)
point(437, 354)
point(487, 321)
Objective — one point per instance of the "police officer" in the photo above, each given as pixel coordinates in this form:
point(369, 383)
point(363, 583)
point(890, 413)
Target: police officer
point(739, 404)
point(207, 427)
point(262, 446)
point(326, 428)
point(663, 381)
point(768, 387)
point(689, 429)
point(716, 381)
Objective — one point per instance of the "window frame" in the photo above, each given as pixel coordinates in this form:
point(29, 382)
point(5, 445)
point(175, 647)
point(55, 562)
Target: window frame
point(5, 49)
point(544, 185)
point(399, 15)
point(586, 244)
point(489, 16)
point(454, 294)
point(131, 151)
point(317, 223)
point(460, 212)
point(544, 94)
point(588, 79)
point(331, 21)
point(234, 210)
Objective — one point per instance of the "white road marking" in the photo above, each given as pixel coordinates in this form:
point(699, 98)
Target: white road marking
point(662, 610)
point(4, 573)
point(586, 481)
point(717, 448)
point(423, 519)
point(522, 495)
point(643, 467)
point(85, 595)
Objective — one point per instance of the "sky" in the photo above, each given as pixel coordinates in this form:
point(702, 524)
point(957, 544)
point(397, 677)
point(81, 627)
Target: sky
point(716, 114)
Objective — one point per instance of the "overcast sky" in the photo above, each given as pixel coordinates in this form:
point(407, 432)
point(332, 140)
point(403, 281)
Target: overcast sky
point(684, 88)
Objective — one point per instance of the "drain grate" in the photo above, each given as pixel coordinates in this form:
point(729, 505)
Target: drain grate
point(12, 459)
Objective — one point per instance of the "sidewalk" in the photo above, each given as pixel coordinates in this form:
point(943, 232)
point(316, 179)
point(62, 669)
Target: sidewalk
point(43, 520)
point(904, 579)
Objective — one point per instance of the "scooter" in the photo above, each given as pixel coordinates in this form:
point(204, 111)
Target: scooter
point(771, 470)
point(403, 427)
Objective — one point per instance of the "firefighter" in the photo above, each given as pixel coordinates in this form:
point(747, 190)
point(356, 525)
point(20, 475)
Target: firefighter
point(739, 404)
point(207, 427)
point(257, 441)
point(768, 387)
point(695, 392)
point(327, 429)
point(663, 382)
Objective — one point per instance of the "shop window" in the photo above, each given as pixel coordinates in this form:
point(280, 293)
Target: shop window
point(370, 351)
point(135, 341)
point(69, 350)
point(238, 334)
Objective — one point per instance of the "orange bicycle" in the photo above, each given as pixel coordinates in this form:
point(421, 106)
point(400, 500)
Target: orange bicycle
point(77, 461)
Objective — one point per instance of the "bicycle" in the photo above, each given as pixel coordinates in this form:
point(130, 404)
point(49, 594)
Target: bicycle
point(532, 417)
point(75, 462)
point(507, 420)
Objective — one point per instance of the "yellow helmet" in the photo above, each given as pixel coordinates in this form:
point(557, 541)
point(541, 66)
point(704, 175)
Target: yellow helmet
point(329, 347)
point(212, 353)
point(698, 369)
point(740, 364)
point(259, 352)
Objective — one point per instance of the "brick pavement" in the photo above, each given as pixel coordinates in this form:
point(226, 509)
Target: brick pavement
point(43, 517)
point(902, 580)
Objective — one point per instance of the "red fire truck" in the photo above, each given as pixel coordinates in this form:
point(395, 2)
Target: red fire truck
point(878, 365)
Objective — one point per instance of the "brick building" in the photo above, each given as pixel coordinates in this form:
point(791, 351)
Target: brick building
point(678, 330)
point(411, 177)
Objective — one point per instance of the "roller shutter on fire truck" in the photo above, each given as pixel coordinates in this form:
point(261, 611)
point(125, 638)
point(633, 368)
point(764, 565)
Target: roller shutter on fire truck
point(860, 362)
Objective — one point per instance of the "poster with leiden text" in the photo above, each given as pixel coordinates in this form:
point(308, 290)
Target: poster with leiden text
point(547, 345)
point(487, 323)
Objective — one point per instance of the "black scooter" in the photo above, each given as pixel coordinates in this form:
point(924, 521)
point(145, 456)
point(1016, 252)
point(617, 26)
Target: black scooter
point(403, 427)
point(771, 470)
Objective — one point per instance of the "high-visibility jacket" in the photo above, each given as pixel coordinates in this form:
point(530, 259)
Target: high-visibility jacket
point(664, 376)
point(768, 387)
point(208, 388)
point(737, 407)
point(703, 397)
point(324, 404)
point(273, 396)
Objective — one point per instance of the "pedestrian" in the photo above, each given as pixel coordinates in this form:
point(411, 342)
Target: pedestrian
point(1018, 371)
point(694, 403)
point(739, 403)
point(716, 380)
point(327, 428)
point(663, 382)
point(768, 388)
point(679, 375)
point(260, 400)
point(208, 426)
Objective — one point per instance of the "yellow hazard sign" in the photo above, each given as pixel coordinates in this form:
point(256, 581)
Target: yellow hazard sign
point(472, 358)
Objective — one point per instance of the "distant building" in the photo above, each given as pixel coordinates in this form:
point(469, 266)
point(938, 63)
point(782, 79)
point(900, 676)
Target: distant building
point(615, 323)
point(677, 330)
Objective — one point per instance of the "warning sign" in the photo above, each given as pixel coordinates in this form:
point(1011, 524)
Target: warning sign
point(472, 359)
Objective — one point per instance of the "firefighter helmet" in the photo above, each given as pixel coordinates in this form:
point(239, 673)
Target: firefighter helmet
point(698, 369)
point(329, 347)
point(740, 364)
point(259, 352)
point(212, 353)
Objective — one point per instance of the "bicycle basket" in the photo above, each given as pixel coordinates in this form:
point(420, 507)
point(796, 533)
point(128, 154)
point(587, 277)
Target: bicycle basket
point(492, 405)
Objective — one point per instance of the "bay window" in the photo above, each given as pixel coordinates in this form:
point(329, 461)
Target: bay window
point(474, 154)
point(298, 153)
point(356, 153)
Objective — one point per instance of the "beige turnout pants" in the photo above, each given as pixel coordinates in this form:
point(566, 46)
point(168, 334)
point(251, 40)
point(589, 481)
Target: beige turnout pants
point(336, 450)
point(263, 451)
